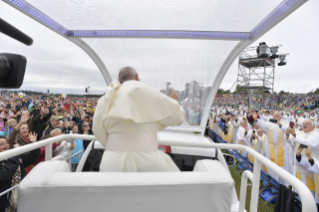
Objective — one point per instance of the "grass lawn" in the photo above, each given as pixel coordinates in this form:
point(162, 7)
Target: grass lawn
point(262, 206)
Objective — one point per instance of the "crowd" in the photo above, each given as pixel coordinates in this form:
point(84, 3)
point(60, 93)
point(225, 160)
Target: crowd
point(289, 138)
point(271, 101)
point(28, 119)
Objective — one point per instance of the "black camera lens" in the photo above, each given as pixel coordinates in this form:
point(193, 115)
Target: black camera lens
point(5, 68)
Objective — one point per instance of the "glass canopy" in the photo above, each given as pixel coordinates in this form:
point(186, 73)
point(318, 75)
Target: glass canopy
point(188, 66)
point(204, 15)
point(187, 45)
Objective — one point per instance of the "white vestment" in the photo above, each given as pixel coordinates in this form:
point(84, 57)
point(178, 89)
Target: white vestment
point(287, 160)
point(300, 121)
point(126, 122)
point(243, 139)
point(264, 118)
point(235, 129)
point(310, 139)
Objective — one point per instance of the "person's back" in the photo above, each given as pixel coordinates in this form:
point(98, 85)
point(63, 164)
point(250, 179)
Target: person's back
point(127, 120)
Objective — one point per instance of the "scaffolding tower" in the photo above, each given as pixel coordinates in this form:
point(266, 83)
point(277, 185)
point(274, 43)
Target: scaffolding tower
point(256, 76)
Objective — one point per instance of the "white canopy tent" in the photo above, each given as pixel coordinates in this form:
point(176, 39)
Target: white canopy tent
point(190, 44)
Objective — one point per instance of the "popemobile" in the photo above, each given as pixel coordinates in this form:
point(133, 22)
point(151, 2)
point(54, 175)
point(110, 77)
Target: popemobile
point(185, 49)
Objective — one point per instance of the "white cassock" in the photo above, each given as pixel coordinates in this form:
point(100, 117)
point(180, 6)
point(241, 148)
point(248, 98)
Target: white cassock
point(300, 121)
point(309, 173)
point(277, 150)
point(214, 124)
point(243, 139)
point(126, 122)
point(256, 144)
point(291, 118)
point(235, 129)
point(264, 118)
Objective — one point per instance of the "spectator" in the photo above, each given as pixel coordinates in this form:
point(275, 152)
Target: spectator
point(84, 118)
point(12, 171)
point(33, 119)
point(11, 124)
point(54, 123)
point(86, 130)
point(39, 126)
point(75, 160)
point(19, 136)
point(7, 113)
point(65, 149)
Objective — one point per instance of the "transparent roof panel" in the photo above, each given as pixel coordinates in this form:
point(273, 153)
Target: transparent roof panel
point(190, 66)
point(201, 15)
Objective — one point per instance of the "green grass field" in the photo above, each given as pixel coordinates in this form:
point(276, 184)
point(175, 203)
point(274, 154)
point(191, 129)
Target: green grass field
point(262, 206)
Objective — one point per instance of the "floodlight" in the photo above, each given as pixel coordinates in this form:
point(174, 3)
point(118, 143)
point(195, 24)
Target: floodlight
point(282, 60)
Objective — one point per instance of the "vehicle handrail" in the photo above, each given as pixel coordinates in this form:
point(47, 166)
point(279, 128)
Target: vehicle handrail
point(8, 190)
point(74, 155)
point(307, 199)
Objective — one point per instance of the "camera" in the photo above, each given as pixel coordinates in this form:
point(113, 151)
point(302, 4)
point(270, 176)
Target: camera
point(273, 120)
point(12, 70)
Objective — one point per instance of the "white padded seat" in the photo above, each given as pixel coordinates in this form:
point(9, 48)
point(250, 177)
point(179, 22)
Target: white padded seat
point(51, 187)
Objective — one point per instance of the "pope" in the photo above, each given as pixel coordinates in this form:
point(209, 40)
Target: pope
point(126, 122)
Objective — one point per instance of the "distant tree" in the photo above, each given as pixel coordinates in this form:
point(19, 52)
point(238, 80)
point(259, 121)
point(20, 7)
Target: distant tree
point(220, 91)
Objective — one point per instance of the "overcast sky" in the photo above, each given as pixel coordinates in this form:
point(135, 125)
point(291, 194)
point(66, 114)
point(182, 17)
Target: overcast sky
point(55, 63)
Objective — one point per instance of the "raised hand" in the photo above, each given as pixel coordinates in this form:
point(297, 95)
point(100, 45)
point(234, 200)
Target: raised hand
point(173, 94)
point(299, 150)
point(24, 118)
point(32, 137)
point(254, 114)
point(308, 153)
point(246, 128)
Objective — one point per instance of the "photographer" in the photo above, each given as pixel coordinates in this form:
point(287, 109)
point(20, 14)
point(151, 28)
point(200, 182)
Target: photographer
point(309, 149)
point(277, 142)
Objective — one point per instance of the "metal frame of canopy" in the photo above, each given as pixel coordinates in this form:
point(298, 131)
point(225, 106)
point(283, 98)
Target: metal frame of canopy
point(245, 38)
